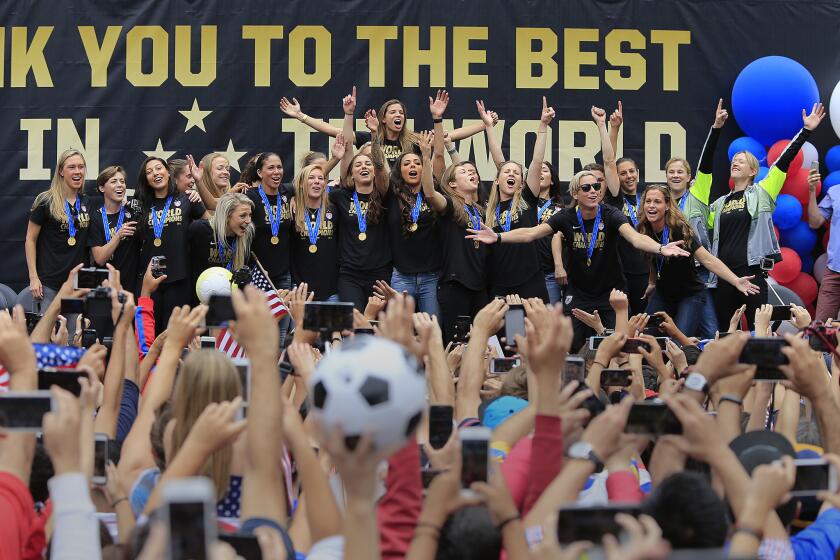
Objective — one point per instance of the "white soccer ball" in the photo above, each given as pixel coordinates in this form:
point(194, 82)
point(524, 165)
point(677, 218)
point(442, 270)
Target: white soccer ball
point(215, 281)
point(371, 385)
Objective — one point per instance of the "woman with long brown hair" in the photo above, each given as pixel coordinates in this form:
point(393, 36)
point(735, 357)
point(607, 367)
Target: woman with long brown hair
point(675, 286)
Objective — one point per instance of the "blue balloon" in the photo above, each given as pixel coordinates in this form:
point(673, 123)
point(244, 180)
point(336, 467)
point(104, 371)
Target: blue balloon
point(807, 263)
point(747, 144)
point(801, 239)
point(788, 212)
point(832, 159)
point(769, 95)
point(762, 173)
point(832, 179)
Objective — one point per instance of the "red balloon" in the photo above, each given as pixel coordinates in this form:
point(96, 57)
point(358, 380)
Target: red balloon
point(776, 150)
point(731, 184)
point(804, 286)
point(796, 184)
point(789, 267)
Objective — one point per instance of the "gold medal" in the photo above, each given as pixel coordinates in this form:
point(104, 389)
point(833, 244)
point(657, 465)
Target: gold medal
point(158, 242)
point(71, 241)
point(588, 262)
point(313, 248)
point(362, 236)
point(413, 226)
point(476, 244)
point(275, 240)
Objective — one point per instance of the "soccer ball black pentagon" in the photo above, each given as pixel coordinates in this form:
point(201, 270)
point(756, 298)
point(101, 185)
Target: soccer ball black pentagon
point(370, 385)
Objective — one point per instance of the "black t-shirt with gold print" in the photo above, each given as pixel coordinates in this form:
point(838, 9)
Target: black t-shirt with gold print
point(734, 231)
point(174, 245)
point(275, 258)
point(318, 269)
point(55, 257)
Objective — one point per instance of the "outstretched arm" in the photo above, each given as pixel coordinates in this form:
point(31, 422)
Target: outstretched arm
point(437, 107)
point(292, 109)
point(648, 245)
point(487, 236)
point(535, 169)
point(607, 149)
point(717, 266)
point(492, 141)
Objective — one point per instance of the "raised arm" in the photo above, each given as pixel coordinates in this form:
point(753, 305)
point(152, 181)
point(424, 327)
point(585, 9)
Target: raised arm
point(778, 170)
point(467, 131)
point(487, 322)
point(437, 106)
point(648, 245)
point(42, 331)
point(436, 200)
point(702, 186)
point(381, 171)
point(122, 315)
point(197, 171)
point(616, 120)
point(607, 149)
point(535, 169)
point(292, 109)
point(348, 105)
point(815, 217)
point(492, 141)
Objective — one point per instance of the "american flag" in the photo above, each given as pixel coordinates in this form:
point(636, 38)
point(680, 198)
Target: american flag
point(47, 355)
point(224, 340)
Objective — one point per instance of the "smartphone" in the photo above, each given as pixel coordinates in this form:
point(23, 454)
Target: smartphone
point(781, 313)
point(595, 342)
point(91, 277)
point(616, 377)
point(766, 264)
point(632, 345)
point(158, 266)
point(474, 457)
point(88, 337)
point(32, 319)
point(654, 321)
point(67, 379)
point(816, 343)
point(328, 316)
point(208, 342)
point(428, 475)
point(285, 368)
point(243, 368)
point(814, 476)
point(246, 546)
point(514, 323)
point(189, 509)
point(462, 328)
point(662, 341)
point(766, 353)
point(364, 331)
point(815, 165)
point(100, 458)
point(440, 425)
point(220, 311)
point(72, 306)
point(23, 411)
point(574, 369)
point(500, 366)
point(652, 418)
point(591, 523)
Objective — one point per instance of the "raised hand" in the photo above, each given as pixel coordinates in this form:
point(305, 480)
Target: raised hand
point(397, 324)
point(216, 426)
point(384, 290)
point(735, 321)
point(349, 102)
point(197, 171)
point(61, 432)
point(591, 320)
point(184, 324)
point(618, 300)
point(720, 115)
point(374, 306)
point(291, 108)
point(60, 336)
point(256, 327)
point(437, 106)
point(599, 116)
point(425, 142)
point(490, 319)
point(645, 540)
point(816, 116)
point(297, 299)
point(546, 347)
point(813, 180)
point(617, 116)
point(371, 121)
point(547, 114)
point(339, 147)
point(806, 368)
point(483, 114)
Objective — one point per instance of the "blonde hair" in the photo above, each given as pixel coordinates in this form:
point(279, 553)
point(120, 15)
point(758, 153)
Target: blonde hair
point(207, 177)
point(574, 184)
point(218, 221)
point(206, 376)
point(311, 156)
point(517, 205)
point(301, 215)
point(752, 161)
point(683, 161)
point(54, 196)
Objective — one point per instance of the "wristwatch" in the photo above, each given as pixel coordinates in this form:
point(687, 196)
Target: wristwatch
point(697, 382)
point(583, 450)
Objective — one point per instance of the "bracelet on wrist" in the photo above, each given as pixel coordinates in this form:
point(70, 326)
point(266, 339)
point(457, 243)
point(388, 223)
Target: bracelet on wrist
point(452, 151)
point(507, 521)
point(302, 117)
point(436, 121)
point(498, 238)
point(757, 533)
point(596, 362)
point(118, 501)
point(731, 398)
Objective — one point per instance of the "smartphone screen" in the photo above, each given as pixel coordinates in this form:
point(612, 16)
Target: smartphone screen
point(220, 311)
point(32, 319)
point(243, 368)
point(88, 338)
point(187, 538)
point(328, 316)
point(764, 352)
point(91, 277)
point(246, 546)
point(473, 458)
point(100, 458)
point(514, 324)
point(440, 425)
point(780, 313)
point(812, 476)
point(632, 345)
point(652, 419)
point(24, 411)
point(208, 342)
point(574, 369)
point(462, 328)
point(655, 320)
point(67, 379)
point(500, 366)
point(616, 378)
point(580, 523)
point(595, 342)
point(72, 306)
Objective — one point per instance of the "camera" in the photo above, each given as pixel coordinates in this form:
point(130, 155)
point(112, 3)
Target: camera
point(91, 277)
point(158, 266)
point(243, 276)
point(819, 333)
point(98, 302)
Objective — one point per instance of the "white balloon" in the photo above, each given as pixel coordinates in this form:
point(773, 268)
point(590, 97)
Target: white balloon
point(809, 154)
point(819, 267)
point(834, 109)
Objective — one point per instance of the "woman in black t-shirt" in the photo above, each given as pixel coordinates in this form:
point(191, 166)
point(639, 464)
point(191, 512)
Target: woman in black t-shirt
point(112, 230)
point(165, 216)
point(413, 227)
point(314, 244)
point(678, 288)
point(462, 288)
point(56, 236)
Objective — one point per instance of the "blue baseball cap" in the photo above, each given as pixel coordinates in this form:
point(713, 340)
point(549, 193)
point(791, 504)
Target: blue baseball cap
point(500, 409)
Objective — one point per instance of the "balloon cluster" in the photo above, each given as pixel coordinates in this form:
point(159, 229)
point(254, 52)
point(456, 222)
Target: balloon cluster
point(767, 101)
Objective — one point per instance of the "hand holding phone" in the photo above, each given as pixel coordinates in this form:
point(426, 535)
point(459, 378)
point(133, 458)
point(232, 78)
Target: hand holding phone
point(189, 509)
point(474, 457)
point(514, 323)
point(440, 425)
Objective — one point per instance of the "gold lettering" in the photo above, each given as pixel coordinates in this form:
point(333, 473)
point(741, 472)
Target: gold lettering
point(575, 57)
point(464, 56)
point(632, 60)
point(670, 41)
point(568, 152)
point(99, 56)
point(301, 136)
point(68, 137)
point(376, 35)
point(2, 57)
point(526, 58)
point(262, 35)
point(30, 56)
point(134, 56)
point(434, 57)
point(35, 129)
point(653, 147)
point(323, 55)
point(183, 56)
point(518, 131)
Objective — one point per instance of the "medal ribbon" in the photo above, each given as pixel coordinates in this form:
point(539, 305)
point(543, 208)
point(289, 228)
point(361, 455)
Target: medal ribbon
point(273, 217)
point(415, 211)
point(660, 260)
point(682, 201)
point(505, 226)
point(592, 240)
point(361, 218)
point(475, 217)
point(221, 249)
point(542, 210)
point(313, 232)
point(71, 223)
point(159, 223)
point(631, 210)
point(105, 222)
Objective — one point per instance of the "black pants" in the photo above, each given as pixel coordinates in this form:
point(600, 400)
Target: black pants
point(636, 286)
point(530, 288)
point(455, 299)
point(588, 304)
point(167, 297)
point(728, 298)
point(357, 287)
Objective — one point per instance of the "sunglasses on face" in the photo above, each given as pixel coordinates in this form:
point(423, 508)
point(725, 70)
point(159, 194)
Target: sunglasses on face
point(587, 188)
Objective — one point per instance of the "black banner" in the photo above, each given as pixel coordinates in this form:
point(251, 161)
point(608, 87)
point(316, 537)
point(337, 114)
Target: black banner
point(126, 78)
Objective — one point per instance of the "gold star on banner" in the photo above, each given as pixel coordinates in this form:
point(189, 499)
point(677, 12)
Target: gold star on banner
point(159, 152)
point(195, 116)
point(232, 155)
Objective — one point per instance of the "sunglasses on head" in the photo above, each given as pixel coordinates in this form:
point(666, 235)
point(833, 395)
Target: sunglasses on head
point(587, 188)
